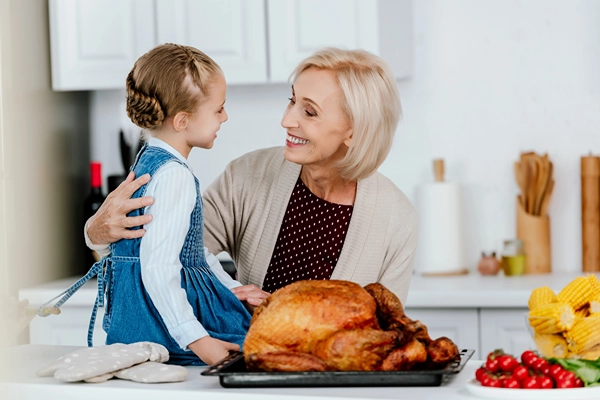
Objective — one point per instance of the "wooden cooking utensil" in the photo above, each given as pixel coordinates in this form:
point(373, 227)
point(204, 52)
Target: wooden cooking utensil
point(526, 174)
point(542, 163)
point(530, 180)
point(546, 201)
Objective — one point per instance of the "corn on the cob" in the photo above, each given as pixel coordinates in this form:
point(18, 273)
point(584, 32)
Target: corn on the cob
point(541, 295)
point(552, 318)
point(594, 305)
point(592, 354)
point(577, 293)
point(584, 335)
point(594, 283)
point(583, 312)
point(551, 345)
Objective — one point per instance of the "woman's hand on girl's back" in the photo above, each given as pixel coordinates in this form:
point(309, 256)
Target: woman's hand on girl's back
point(109, 224)
point(211, 350)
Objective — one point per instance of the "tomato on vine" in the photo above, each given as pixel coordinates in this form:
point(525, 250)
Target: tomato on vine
point(520, 372)
point(492, 365)
point(511, 383)
point(530, 383)
point(507, 363)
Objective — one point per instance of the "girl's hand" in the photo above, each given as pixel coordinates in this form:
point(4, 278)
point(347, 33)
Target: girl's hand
point(211, 350)
point(110, 222)
point(251, 294)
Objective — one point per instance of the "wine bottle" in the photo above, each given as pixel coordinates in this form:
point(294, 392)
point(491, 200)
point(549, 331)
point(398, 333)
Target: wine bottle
point(92, 202)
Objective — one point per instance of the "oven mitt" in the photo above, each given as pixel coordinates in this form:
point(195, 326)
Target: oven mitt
point(94, 362)
point(152, 372)
point(100, 378)
point(147, 372)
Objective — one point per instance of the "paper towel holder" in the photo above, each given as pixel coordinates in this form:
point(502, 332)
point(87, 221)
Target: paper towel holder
point(438, 169)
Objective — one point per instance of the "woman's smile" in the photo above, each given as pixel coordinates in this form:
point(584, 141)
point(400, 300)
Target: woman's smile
point(294, 141)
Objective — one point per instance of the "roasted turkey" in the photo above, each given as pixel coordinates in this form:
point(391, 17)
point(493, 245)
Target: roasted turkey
point(333, 325)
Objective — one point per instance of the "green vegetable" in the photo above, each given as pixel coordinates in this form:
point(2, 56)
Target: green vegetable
point(588, 371)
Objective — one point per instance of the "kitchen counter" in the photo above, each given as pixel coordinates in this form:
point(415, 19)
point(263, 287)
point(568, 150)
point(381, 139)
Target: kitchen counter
point(463, 291)
point(477, 312)
point(22, 383)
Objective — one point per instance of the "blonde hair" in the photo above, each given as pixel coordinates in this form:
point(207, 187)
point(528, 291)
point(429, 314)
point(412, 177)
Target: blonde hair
point(166, 80)
point(371, 102)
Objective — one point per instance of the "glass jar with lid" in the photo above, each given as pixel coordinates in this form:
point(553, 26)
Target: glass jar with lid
point(513, 257)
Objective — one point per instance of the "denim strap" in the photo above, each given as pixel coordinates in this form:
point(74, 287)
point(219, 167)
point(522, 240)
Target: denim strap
point(103, 279)
point(46, 309)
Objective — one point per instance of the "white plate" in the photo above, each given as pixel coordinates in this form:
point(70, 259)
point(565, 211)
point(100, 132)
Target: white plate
point(534, 394)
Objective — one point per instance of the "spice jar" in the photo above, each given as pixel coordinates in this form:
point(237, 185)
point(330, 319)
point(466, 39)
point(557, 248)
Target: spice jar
point(513, 257)
point(489, 264)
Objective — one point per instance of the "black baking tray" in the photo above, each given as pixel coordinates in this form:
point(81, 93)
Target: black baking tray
point(232, 373)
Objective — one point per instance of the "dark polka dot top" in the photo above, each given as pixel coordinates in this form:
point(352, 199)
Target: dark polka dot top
point(310, 239)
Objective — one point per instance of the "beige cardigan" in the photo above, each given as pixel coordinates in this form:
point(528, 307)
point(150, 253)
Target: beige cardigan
point(245, 205)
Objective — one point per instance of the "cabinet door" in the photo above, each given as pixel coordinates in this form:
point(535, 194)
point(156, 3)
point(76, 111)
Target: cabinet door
point(94, 43)
point(504, 329)
point(460, 325)
point(69, 328)
point(232, 32)
point(297, 28)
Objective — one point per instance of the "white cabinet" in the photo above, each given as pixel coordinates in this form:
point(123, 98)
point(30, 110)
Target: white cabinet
point(232, 32)
point(94, 43)
point(460, 325)
point(504, 329)
point(69, 328)
point(297, 28)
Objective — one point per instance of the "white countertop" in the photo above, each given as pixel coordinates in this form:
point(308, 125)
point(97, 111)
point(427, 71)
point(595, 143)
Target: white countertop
point(22, 383)
point(463, 291)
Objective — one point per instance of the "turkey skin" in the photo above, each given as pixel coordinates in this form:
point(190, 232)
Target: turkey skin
point(334, 325)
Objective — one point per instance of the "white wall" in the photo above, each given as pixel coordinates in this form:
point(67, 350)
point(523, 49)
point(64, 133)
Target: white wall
point(492, 78)
point(45, 148)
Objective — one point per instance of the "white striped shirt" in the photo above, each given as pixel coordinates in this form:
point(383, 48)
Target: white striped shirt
point(174, 191)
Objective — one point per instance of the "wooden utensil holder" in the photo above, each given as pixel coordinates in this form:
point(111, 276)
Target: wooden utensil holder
point(534, 231)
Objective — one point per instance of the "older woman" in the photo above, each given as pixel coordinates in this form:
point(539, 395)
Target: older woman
point(316, 208)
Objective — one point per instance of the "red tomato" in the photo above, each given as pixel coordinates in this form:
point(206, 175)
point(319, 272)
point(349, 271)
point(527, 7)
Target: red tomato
point(546, 369)
point(578, 382)
point(511, 383)
point(530, 360)
point(495, 383)
point(545, 382)
point(566, 375)
point(492, 365)
point(485, 380)
point(539, 364)
point(527, 354)
point(555, 370)
point(520, 372)
point(565, 383)
point(490, 381)
point(480, 373)
point(530, 383)
point(495, 354)
point(507, 363)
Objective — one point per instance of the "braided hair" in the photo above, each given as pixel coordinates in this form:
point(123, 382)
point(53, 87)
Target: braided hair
point(170, 78)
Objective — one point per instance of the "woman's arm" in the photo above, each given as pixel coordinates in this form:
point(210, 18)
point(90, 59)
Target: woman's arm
point(110, 222)
point(401, 243)
point(218, 201)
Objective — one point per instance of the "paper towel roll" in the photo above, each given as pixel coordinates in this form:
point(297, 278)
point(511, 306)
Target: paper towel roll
point(441, 247)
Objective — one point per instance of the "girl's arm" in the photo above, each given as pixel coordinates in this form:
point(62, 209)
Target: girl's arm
point(220, 273)
point(174, 190)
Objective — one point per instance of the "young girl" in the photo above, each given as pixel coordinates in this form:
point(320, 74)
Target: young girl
point(165, 287)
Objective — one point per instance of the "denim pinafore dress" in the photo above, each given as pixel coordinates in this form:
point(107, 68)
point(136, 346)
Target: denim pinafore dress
point(130, 315)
